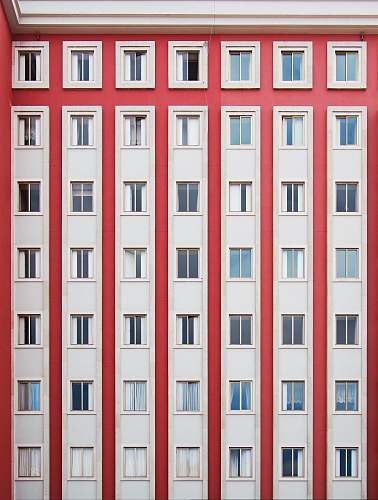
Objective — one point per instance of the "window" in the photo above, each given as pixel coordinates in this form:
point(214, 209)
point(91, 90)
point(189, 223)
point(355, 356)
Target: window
point(241, 395)
point(346, 197)
point(292, 329)
point(29, 396)
point(293, 394)
point(135, 396)
point(240, 463)
point(188, 396)
point(187, 197)
point(30, 64)
point(29, 194)
point(292, 197)
point(293, 263)
point(240, 196)
point(188, 462)
point(81, 329)
point(346, 462)
point(135, 64)
point(240, 329)
point(135, 197)
point(241, 263)
point(346, 65)
point(346, 329)
point(135, 130)
point(135, 330)
point(187, 64)
point(29, 461)
point(29, 130)
point(82, 396)
point(81, 462)
point(292, 462)
point(347, 131)
point(135, 462)
point(188, 130)
point(82, 196)
point(29, 329)
point(240, 130)
point(135, 262)
point(82, 130)
point(29, 263)
point(293, 131)
point(347, 266)
point(187, 263)
point(240, 65)
point(187, 330)
point(82, 64)
point(82, 263)
point(292, 64)
point(346, 395)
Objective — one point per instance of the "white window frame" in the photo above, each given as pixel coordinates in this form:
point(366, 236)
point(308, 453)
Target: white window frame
point(200, 403)
point(123, 388)
point(136, 45)
point(242, 46)
point(136, 247)
point(198, 333)
point(228, 396)
point(293, 114)
point(281, 411)
point(91, 315)
point(29, 445)
point(180, 478)
point(250, 182)
point(352, 46)
point(176, 46)
point(293, 346)
point(134, 346)
point(188, 247)
point(359, 267)
point(227, 470)
point(345, 114)
point(19, 115)
point(17, 198)
point(253, 262)
point(33, 45)
point(198, 212)
point(17, 263)
point(94, 394)
point(135, 478)
point(94, 463)
point(235, 114)
point(296, 46)
point(359, 396)
point(358, 333)
point(294, 247)
point(293, 181)
point(346, 478)
point(358, 204)
point(68, 48)
point(253, 328)
point(123, 206)
point(41, 396)
point(17, 317)
point(130, 114)
point(294, 478)
point(70, 193)
point(79, 113)
point(70, 277)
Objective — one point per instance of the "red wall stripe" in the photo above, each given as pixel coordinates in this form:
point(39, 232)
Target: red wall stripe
point(5, 260)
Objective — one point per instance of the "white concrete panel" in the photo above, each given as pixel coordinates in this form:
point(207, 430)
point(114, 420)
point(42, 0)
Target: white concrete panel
point(28, 230)
point(241, 364)
point(29, 295)
point(82, 230)
point(29, 429)
point(187, 430)
point(135, 164)
point(134, 490)
point(240, 164)
point(81, 490)
point(293, 164)
point(293, 430)
point(28, 363)
point(135, 363)
point(347, 430)
point(82, 430)
point(135, 429)
point(241, 230)
point(245, 490)
point(187, 490)
point(292, 489)
point(81, 363)
point(187, 296)
point(28, 490)
point(135, 230)
point(240, 296)
point(240, 429)
point(188, 230)
point(188, 365)
point(346, 490)
point(134, 296)
point(293, 230)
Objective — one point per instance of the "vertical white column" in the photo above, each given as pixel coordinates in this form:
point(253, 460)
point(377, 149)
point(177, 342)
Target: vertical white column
point(30, 362)
point(240, 297)
point(187, 163)
point(82, 429)
point(292, 298)
point(347, 362)
point(135, 297)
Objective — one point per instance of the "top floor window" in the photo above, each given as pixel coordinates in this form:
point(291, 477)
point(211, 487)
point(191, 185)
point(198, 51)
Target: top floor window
point(292, 65)
point(240, 65)
point(187, 65)
point(29, 65)
point(82, 65)
point(346, 64)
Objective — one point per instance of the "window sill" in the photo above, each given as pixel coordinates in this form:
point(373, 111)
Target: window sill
point(187, 280)
point(185, 214)
point(136, 147)
point(293, 148)
point(144, 346)
point(28, 280)
point(187, 346)
point(348, 214)
point(81, 346)
point(82, 413)
point(292, 214)
point(74, 148)
point(346, 148)
point(28, 214)
point(347, 85)
point(347, 346)
point(199, 478)
point(343, 412)
point(292, 84)
point(40, 478)
point(246, 346)
point(292, 479)
point(144, 478)
point(240, 479)
point(346, 479)
point(28, 346)
point(240, 84)
point(188, 84)
point(292, 280)
point(176, 412)
point(21, 84)
point(135, 280)
point(136, 84)
point(347, 280)
point(19, 412)
point(81, 214)
point(178, 147)
point(81, 280)
point(294, 412)
point(29, 148)
point(134, 214)
point(241, 280)
point(242, 214)
point(240, 146)
point(93, 478)
point(137, 412)
point(240, 413)
point(289, 346)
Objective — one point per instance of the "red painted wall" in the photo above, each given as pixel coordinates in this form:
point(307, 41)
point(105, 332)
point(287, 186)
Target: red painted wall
point(161, 97)
point(5, 259)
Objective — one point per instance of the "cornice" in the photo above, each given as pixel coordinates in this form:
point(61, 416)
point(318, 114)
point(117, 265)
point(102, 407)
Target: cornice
point(192, 16)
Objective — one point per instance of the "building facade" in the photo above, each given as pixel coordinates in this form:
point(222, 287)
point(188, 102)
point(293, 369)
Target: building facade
point(189, 242)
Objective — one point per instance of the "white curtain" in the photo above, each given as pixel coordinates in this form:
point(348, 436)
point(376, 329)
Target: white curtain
point(285, 395)
point(300, 463)
point(298, 130)
point(90, 56)
point(128, 125)
point(74, 130)
point(82, 462)
point(187, 394)
point(36, 124)
point(354, 465)
point(129, 264)
point(187, 462)
point(75, 66)
point(75, 255)
point(90, 124)
point(135, 462)
point(337, 458)
point(234, 197)
point(299, 254)
point(180, 125)
point(37, 259)
point(135, 396)
point(193, 130)
point(246, 462)
point(21, 68)
point(29, 462)
point(142, 131)
point(285, 258)
point(22, 256)
point(129, 196)
point(180, 61)
point(37, 66)
point(21, 130)
point(90, 263)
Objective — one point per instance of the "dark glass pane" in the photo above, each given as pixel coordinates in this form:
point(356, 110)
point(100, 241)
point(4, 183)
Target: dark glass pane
point(343, 138)
point(193, 264)
point(295, 463)
point(85, 330)
point(85, 132)
point(79, 333)
point(138, 197)
point(24, 197)
point(132, 330)
point(340, 197)
point(33, 264)
point(298, 396)
point(193, 57)
point(85, 264)
point(342, 455)
point(352, 130)
point(298, 329)
point(297, 66)
point(289, 132)
point(286, 463)
point(352, 197)
point(27, 66)
point(243, 197)
point(182, 197)
point(184, 326)
point(193, 197)
point(340, 66)
point(235, 396)
point(287, 330)
point(34, 197)
point(349, 463)
point(235, 330)
point(352, 330)
point(85, 397)
point(190, 330)
point(340, 330)
point(289, 197)
point(287, 67)
point(86, 67)
point(182, 271)
point(33, 329)
point(138, 330)
point(76, 396)
point(138, 264)
point(33, 68)
point(246, 330)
